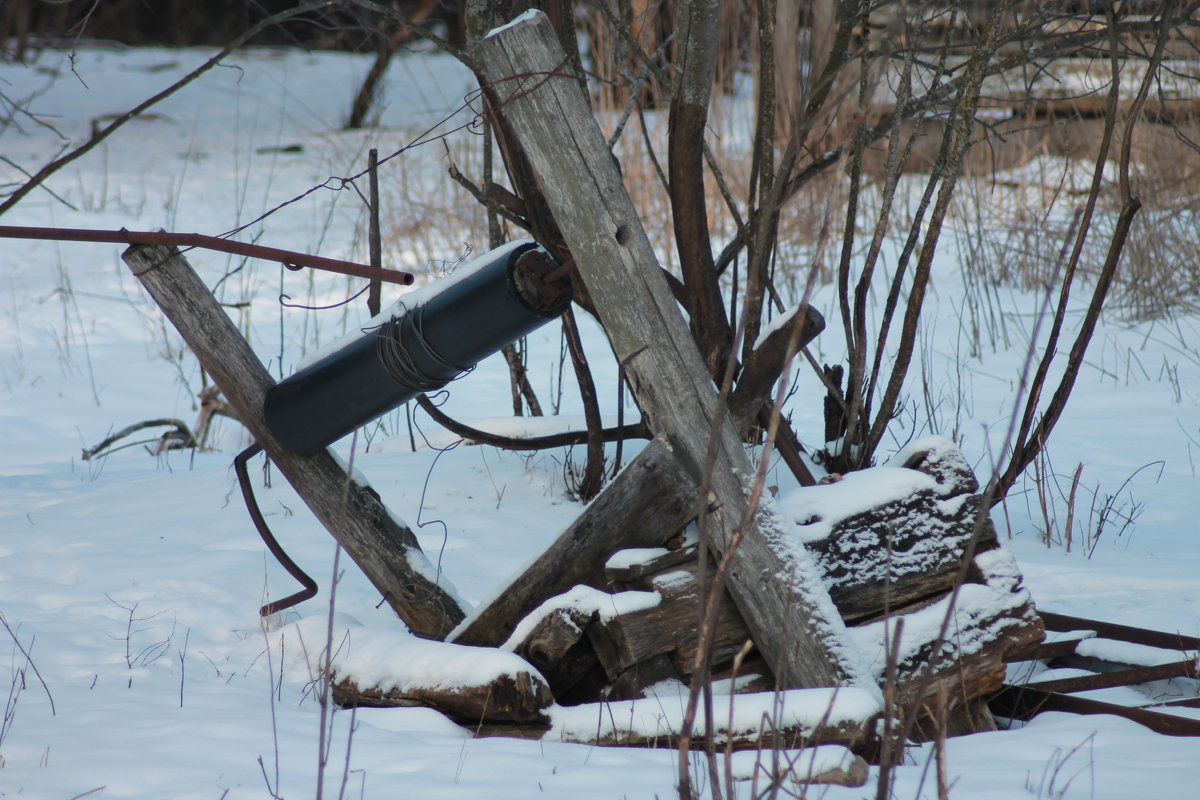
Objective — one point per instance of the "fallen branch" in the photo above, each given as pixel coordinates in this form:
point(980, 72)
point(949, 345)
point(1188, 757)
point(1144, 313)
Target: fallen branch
point(178, 438)
point(637, 430)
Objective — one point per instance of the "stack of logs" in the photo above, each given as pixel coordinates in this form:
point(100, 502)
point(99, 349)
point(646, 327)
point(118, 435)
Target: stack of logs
point(611, 623)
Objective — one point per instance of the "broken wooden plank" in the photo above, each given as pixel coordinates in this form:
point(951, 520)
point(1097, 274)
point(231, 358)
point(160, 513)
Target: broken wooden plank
point(669, 627)
point(627, 566)
point(772, 580)
point(644, 506)
point(557, 645)
point(385, 550)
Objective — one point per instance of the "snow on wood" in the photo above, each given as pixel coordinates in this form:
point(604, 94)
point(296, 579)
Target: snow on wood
point(830, 715)
point(634, 557)
point(1116, 652)
point(587, 601)
point(670, 627)
point(888, 536)
point(583, 188)
point(377, 667)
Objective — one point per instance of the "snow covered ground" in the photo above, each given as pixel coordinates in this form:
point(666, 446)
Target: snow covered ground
point(132, 582)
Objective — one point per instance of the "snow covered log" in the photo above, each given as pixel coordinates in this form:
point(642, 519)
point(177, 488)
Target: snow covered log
point(890, 536)
point(385, 550)
point(472, 685)
point(520, 698)
point(647, 504)
point(557, 645)
point(892, 541)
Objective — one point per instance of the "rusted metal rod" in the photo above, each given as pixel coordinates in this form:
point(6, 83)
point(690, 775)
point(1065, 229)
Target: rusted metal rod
point(1025, 702)
point(290, 259)
point(1124, 677)
point(1123, 633)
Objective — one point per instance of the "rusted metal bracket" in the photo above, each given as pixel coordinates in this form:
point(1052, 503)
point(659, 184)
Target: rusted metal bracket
point(288, 258)
point(1124, 677)
point(1026, 702)
point(1122, 633)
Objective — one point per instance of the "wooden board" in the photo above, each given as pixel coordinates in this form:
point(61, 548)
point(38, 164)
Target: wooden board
point(772, 583)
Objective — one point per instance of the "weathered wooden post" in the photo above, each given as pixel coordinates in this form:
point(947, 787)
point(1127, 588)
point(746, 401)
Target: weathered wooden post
point(385, 550)
point(773, 581)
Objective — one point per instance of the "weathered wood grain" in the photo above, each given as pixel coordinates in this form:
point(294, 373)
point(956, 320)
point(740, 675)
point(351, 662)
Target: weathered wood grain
point(772, 582)
point(559, 648)
point(669, 627)
point(523, 697)
point(385, 550)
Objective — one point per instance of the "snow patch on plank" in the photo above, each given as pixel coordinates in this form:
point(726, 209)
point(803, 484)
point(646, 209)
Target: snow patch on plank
point(588, 601)
point(777, 323)
point(814, 510)
point(739, 715)
point(528, 15)
point(634, 557)
point(1137, 655)
point(389, 660)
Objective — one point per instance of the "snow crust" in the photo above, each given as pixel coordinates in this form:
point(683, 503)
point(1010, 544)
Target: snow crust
point(796, 765)
point(816, 509)
point(392, 660)
point(735, 715)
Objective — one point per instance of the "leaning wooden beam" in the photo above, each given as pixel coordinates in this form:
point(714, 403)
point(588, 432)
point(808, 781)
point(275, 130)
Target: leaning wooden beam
point(385, 550)
point(772, 581)
point(647, 503)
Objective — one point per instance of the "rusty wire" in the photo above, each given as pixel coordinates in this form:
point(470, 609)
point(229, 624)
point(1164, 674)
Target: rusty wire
point(289, 258)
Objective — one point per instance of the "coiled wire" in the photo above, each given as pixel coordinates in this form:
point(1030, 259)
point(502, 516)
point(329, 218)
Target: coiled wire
point(394, 342)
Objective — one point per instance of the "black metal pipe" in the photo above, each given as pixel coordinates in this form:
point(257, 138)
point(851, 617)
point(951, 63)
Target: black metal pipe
point(509, 295)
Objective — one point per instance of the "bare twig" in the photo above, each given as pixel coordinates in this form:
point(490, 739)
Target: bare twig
point(99, 136)
point(29, 661)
